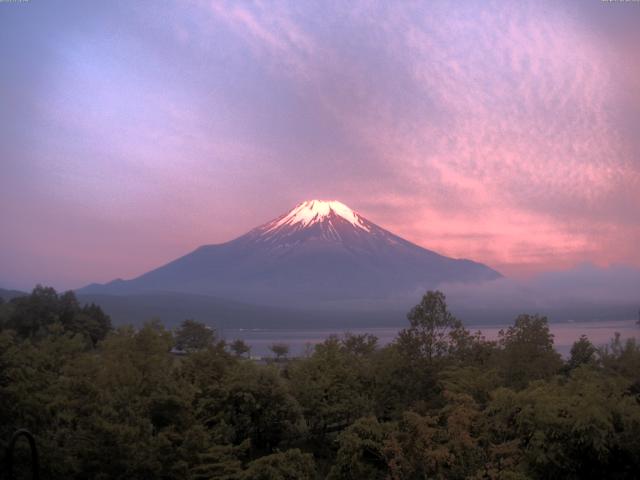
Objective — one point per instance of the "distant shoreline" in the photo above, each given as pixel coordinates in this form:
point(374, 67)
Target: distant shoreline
point(565, 333)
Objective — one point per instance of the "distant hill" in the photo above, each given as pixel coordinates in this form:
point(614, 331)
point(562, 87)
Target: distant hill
point(9, 294)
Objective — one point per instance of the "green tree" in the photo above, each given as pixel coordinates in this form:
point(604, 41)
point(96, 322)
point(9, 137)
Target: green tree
point(239, 347)
point(408, 370)
point(583, 352)
point(289, 465)
point(447, 443)
point(280, 350)
point(99, 324)
point(362, 451)
point(34, 394)
point(433, 332)
point(192, 336)
point(622, 357)
point(137, 410)
point(585, 427)
point(476, 380)
point(527, 351)
point(333, 386)
point(6, 310)
point(251, 402)
point(222, 462)
point(33, 313)
point(361, 345)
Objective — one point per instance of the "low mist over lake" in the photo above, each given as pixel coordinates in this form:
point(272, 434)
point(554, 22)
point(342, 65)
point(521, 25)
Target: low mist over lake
point(302, 342)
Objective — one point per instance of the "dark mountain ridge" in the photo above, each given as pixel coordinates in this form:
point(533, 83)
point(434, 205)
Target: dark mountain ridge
point(7, 294)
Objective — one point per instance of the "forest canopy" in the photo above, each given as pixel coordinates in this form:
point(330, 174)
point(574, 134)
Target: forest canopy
point(438, 402)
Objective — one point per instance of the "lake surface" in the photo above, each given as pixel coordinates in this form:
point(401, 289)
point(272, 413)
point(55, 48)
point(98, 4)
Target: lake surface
point(301, 339)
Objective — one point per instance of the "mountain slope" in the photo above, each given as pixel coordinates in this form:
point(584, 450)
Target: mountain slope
point(318, 252)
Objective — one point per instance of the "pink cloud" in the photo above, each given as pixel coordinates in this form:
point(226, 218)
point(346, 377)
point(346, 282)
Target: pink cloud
point(502, 132)
point(524, 155)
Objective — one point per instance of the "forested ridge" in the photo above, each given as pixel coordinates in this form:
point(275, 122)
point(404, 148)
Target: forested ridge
point(439, 402)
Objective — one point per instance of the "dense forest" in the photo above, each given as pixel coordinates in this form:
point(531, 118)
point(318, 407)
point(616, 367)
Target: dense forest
point(439, 402)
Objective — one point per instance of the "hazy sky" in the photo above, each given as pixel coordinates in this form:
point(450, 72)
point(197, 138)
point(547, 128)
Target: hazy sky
point(134, 131)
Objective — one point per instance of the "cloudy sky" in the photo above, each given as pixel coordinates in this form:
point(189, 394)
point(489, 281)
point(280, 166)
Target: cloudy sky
point(135, 131)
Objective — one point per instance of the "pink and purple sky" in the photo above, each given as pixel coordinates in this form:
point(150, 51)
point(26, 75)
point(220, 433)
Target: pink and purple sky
point(133, 131)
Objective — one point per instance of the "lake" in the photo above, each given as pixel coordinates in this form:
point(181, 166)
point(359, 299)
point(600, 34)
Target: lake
point(300, 339)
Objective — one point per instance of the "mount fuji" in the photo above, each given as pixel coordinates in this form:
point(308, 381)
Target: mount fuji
point(318, 253)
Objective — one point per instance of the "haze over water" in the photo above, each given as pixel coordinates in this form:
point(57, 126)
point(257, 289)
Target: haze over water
point(299, 340)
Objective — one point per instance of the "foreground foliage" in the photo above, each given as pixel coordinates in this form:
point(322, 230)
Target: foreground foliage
point(439, 402)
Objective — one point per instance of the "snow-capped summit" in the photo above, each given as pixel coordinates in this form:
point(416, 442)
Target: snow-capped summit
point(310, 212)
point(318, 251)
point(315, 220)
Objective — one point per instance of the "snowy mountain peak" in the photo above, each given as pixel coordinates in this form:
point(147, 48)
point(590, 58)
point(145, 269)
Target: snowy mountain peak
point(311, 212)
point(320, 251)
